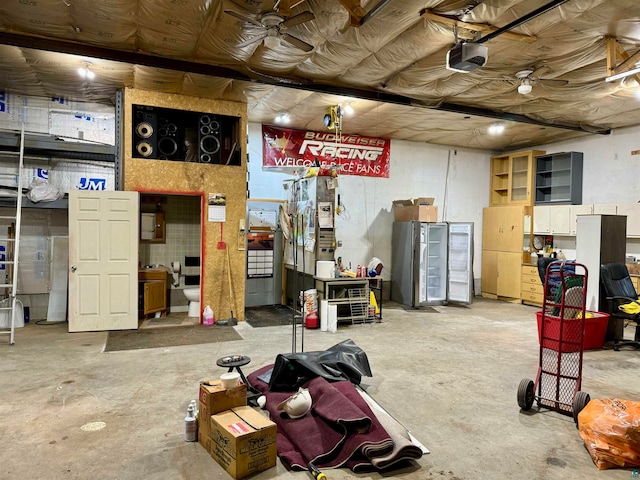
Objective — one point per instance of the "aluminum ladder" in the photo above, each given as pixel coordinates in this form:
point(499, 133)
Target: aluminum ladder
point(9, 284)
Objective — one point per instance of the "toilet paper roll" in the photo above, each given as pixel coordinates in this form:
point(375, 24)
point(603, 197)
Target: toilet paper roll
point(175, 266)
point(332, 320)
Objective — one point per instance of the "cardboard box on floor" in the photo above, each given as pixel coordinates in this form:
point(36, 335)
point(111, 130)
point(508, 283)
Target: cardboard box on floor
point(421, 209)
point(214, 398)
point(243, 441)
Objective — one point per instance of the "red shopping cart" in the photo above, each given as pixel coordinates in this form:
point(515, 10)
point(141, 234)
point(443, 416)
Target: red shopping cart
point(561, 326)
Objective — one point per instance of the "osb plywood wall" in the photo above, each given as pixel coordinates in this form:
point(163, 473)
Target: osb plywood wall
point(204, 179)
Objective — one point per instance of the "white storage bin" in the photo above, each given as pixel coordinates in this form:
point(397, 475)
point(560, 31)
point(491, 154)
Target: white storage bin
point(5, 315)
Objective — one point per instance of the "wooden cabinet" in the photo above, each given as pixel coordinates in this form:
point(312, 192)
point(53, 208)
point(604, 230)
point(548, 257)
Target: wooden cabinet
point(152, 291)
point(502, 246)
point(503, 228)
point(636, 283)
point(152, 227)
point(558, 178)
point(531, 288)
point(512, 178)
point(501, 274)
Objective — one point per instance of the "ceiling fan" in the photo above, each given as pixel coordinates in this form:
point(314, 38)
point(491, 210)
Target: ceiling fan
point(529, 77)
point(275, 26)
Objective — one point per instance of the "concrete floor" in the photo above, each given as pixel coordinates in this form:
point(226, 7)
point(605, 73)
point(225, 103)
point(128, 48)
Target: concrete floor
point(451, 377)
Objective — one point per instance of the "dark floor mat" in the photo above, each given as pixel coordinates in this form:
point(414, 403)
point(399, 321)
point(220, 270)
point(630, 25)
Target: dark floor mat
point(168, 337)
point(420, 309)
point(268, 316)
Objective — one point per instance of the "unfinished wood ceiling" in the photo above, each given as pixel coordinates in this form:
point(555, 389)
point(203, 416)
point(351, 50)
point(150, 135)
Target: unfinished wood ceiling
point(388, 59)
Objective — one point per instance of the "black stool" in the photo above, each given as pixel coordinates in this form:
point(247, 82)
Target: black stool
point(235, 362)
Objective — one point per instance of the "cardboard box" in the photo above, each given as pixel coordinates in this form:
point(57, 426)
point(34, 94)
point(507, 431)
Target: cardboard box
point(243, 441)
point(204, 428)
point(421, 209)
point(214, 398)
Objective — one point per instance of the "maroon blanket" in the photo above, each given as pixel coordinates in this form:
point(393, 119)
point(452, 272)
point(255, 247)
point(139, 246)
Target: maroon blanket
point(339, 431)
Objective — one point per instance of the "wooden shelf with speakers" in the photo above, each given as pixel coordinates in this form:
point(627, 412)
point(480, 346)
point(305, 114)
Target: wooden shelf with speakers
point(185, 136)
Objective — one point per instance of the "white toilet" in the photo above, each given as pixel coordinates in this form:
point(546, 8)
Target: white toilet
point(193, 295)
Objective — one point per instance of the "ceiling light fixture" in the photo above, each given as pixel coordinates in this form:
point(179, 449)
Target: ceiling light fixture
point(525, 87)
point(272, 40)
point(348, 109)
point(283, 118)
point(618, 76)
point(496, 129)
point(84, 72)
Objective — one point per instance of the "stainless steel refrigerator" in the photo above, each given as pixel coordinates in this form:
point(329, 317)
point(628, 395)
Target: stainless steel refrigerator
point(432, 263)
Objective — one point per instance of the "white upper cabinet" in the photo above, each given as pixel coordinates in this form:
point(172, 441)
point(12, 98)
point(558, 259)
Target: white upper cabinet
point(551, 219)
point(578, 210)
point(632, 211)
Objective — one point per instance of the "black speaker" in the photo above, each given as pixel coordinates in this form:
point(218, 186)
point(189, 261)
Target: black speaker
point(145, 134)
point(168, 138)
point(210, 147)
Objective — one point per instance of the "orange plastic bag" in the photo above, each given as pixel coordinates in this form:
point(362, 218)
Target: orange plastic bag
point(610, 428)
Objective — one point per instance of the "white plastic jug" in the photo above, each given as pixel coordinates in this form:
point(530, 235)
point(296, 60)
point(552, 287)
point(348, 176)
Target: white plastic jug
point(207, 316)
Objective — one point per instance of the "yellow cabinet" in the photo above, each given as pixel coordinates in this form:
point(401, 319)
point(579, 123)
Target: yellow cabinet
point(532, 292)
point(501, 274)
point(636, 283)
point(503, 228)
point(512, 178)
point(503, 243)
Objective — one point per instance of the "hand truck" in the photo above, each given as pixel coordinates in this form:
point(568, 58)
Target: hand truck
point(561, 333)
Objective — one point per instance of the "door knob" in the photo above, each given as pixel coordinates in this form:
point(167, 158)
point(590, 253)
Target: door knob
point(73, 268)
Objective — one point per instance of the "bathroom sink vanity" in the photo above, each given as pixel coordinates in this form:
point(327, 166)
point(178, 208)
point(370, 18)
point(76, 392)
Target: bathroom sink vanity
point(152, 291)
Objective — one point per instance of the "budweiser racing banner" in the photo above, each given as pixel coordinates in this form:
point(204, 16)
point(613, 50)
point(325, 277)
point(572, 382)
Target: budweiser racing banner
point(286, 149)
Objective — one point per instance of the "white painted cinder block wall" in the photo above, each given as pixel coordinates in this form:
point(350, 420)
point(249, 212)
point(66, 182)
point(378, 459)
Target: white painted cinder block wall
point(457, 178)
point(611, 174)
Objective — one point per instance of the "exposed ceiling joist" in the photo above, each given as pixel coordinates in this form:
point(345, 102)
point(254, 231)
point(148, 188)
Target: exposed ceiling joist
point(474, 27)
point(358, 16)
point(615, 50)
point(135, 58)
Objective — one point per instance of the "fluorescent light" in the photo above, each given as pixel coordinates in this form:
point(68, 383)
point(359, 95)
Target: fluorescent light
point(618, 76)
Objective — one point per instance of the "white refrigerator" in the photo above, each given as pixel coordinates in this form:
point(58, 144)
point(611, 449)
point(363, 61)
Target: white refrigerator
point(432, 263)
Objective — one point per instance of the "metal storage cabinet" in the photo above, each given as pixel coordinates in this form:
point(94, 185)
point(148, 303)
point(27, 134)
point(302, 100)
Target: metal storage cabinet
point(559, 178)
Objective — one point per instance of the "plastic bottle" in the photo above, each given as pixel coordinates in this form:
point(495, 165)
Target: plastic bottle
point(190, 425)
point(635, 474)
point(207, 316)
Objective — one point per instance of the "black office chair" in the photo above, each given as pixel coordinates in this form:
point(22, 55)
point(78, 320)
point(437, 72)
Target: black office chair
point(618, 289)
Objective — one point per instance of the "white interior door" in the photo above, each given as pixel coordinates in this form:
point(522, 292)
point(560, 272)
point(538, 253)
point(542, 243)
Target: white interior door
point(103, 259)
